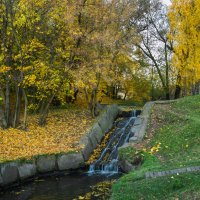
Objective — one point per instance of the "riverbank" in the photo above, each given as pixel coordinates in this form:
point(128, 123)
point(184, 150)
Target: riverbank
point(16, 171)
point(172, 142)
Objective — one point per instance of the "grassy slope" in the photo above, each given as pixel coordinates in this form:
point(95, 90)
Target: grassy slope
point(178, 130)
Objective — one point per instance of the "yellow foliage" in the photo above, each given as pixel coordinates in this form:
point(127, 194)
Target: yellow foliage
point(99, 149)
point(185, 31)
point(4, 69)
point(62, 134)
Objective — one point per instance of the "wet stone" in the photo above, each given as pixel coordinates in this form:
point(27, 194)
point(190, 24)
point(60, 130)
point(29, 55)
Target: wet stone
point(70, 161)
point(138, 121)
point(1, 180)
point(9, 173)
point(27, 170)
point(46, 163)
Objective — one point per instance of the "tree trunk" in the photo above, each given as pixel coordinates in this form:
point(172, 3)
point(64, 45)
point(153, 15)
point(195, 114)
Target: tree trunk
point(177, 92)
point(167, 96)
point(45, 111)
point(178, 87)
point(167, 92)
point(25, 109)
point(17, 107)
point(7, 103)
point(92, 102)
point(3, 123)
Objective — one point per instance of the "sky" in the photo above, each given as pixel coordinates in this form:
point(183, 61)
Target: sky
point(167, 2)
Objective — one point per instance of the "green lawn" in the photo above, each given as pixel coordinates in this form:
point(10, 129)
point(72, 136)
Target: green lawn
point(178, 130)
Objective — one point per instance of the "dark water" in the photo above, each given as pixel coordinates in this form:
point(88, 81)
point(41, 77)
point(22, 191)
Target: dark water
point(56, 188)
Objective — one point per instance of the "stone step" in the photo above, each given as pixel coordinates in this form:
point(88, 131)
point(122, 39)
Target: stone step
point(171, 172)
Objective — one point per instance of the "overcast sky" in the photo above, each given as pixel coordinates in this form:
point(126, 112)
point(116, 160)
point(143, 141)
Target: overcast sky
point(166, 2)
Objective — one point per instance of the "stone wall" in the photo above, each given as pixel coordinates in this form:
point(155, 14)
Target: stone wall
point(139, 130)
point(17, 171)
point(103, 124)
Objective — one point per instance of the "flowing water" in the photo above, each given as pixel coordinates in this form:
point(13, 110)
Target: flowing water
point(68, 187)
point(107, 163)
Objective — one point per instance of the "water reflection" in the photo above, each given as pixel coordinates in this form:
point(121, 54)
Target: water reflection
point(56, 188)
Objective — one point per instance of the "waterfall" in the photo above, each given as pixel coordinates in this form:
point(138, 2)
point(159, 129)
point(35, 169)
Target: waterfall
point(107, 163)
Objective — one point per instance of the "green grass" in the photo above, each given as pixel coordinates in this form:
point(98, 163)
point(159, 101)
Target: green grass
point(178, 131)
point(185, 186)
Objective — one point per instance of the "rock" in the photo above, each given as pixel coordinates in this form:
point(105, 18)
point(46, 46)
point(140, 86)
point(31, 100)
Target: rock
point(136, 129)
point(88, 147)
point(70, 161)
point(107, 118)
point(138, 121)
point(133, 139)
point(93, 140)
point(9, 173)
point(138, 112)
point(97, 133)
point(1, 180)
point(112, 113)
point(124, 146)
point(126, 166)
point(104, 122)
point(27, 170)
point(46, 163)
point(141, 133)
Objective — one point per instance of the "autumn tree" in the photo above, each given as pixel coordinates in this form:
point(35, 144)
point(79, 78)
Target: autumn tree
point(37, 42)
point(50, 47)
point(184, 23)
point(105, 37)
point(152, 27)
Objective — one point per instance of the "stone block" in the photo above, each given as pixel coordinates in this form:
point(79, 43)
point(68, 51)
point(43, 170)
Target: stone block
point(197, 168)
point(107, 118)
point(96, 133)
point(104, 122)
point(1, 180)
point(173, 171)
point(133, 139)
point(159, 174)
point(189, 169)
point(151, 175)
point(46, 163)
point(136, 129)
point(147, 174)
point(70, 161)
point(138, 121)
point(112, 112)
point(93, 140)
point(126, 166)
point(180, 170)
point(9, 173)
point(27, 170)
point(147, 109)
point(87, 147)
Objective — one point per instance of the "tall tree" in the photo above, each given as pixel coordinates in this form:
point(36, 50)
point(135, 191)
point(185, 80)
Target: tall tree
point(152, 27)
point(185, 31)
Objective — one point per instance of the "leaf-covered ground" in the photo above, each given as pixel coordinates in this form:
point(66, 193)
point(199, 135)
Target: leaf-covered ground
point(62, 134)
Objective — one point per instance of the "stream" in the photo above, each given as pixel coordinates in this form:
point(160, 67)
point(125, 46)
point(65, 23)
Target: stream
point(71, 186)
